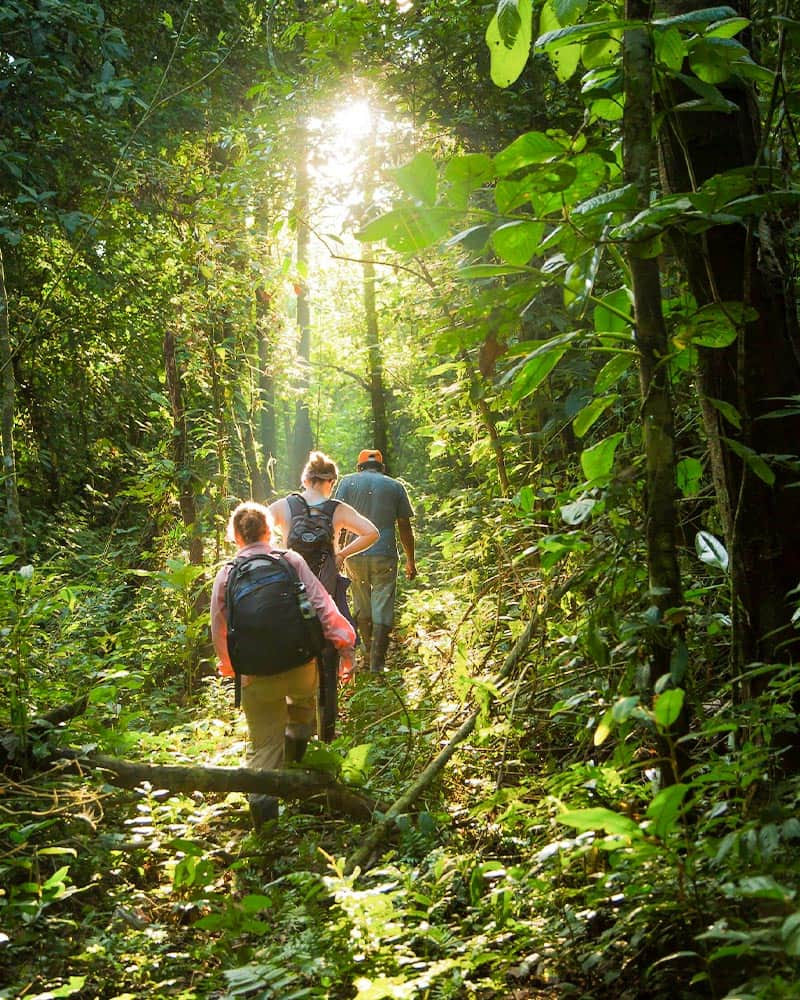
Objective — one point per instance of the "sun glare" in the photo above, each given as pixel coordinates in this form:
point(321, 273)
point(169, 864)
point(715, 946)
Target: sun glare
point(353, 120)
point(342, 138)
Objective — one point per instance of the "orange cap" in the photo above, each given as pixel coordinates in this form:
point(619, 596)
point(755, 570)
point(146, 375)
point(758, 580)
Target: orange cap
point(369, 455)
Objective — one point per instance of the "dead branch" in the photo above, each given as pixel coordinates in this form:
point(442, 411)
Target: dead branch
point(362, 857)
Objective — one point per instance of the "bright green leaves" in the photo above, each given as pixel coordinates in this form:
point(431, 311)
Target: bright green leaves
point(509, 39)
point(533, 147)
point(689, 475)
point(516, 242)
point(600, 818)
point(591, 413)
point(714, 325)
point(465, 174)
point(670, 49)
point(528, 375)
point(565, 58)
point(598, 460)
point(419, 178)
point(667, 707)
point(409, 229)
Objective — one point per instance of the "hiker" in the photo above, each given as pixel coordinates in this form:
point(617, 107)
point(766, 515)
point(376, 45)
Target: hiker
point(373, 574)
point(279, 708)
point(311, 522)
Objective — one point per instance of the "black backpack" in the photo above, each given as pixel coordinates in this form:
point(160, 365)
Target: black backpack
point(272, 625)
point(311, 534)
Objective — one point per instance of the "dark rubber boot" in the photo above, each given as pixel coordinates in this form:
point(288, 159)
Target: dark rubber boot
point(294, 748)
point(380, 643)
point(262, 809)
point(364, 626)
point(328, 694)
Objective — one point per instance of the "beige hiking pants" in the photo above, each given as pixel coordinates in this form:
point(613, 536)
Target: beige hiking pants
point(276, 707)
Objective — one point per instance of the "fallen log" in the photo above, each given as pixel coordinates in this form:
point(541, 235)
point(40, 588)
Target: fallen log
point(293, 783)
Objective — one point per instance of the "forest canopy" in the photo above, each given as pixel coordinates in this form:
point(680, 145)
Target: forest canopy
point(544, 257)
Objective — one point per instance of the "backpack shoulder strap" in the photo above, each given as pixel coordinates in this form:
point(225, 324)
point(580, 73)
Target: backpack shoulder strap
point(279, 557)
point(293, 508)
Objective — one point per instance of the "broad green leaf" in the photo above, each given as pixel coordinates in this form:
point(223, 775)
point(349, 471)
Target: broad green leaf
point(667, 707)
point(491, 270)
point(749, 70)
point(564, 58)
point(568, 11)
point(533, 373)
point(604, 727)
point(602, 50)
point(621, 199)
point(763, 887)
point(678, 661)
point(535, 348)
point(532, 147)
point(599, 818)
point(696, 18)
point(665, 809)
point(590, 172)
point(590, 414)
point(612, 371)
point(509, 40)
point(689, 474)
point(790, 935)
point(579, 279)
point(623, 708)
point(606, 109)
point(711, 58)
point(475, 238)
point(715, 325)
point(508, 20)
point(752, 460)
point(726, 28)
point(710, 94)
point(516, 242)
point(466, 174)
point(711, 551)
point(510, 195)
point(408, 229)
point(614, 312)
point(670, 48)
point(598, 460)
point(355, 769)
point(550, 40)
point(728, 411)
point(419, 178)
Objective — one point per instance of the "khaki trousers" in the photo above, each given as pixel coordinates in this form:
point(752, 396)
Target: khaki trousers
point(276, 707)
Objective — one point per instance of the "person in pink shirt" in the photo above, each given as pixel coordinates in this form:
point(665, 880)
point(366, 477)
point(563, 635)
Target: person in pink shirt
point(280, 709)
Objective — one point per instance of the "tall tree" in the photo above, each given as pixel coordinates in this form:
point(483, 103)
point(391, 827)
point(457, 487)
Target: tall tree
point(13, 518)
point(302, 435)
point(744, 386)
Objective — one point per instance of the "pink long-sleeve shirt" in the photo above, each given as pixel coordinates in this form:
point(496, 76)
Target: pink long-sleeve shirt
point(336, 628)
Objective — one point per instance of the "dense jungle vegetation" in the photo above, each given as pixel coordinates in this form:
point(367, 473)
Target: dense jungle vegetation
point(544, 255)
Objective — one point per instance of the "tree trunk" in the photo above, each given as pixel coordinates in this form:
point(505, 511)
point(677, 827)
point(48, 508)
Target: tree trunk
point(651, 339)
point(180, 450)
point(13, 518)
point(377, 392)
point(267, 422)
point(302, 436)
point(754, 375)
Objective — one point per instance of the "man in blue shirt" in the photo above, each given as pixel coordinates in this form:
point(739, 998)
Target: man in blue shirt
point(373, 573)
